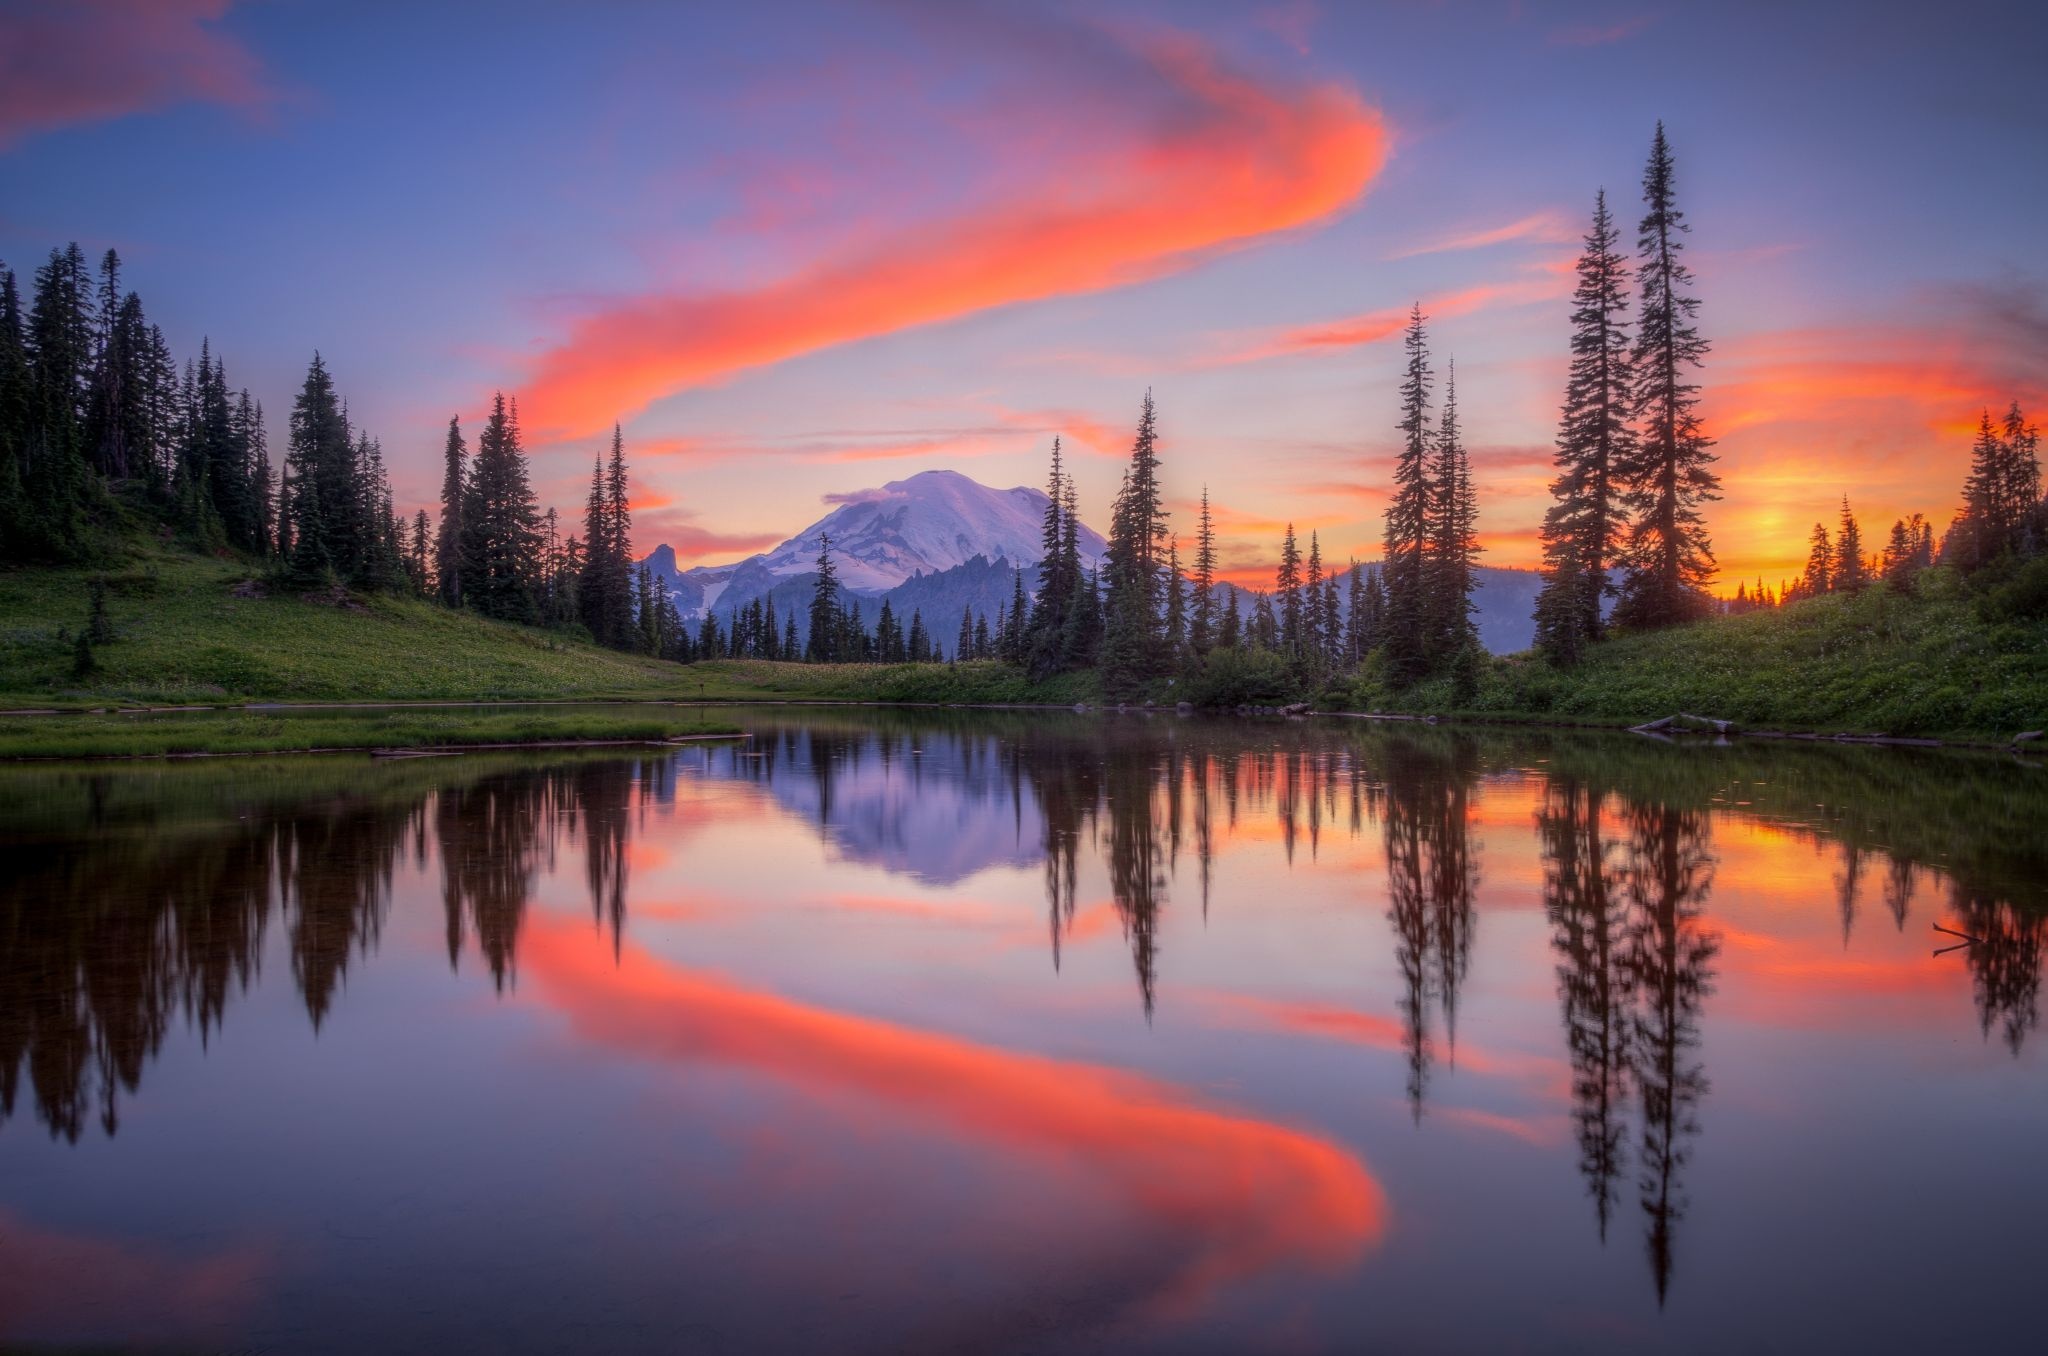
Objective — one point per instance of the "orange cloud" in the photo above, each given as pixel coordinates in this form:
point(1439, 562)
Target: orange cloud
point(1881, 413)
point(1236, 160)
point(93, 60)
point(1237, 1196)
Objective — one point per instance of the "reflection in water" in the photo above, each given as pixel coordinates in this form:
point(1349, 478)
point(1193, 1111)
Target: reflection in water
point(1666, 956)
point(195, 874)
point(1582, 898)
point(103, 949)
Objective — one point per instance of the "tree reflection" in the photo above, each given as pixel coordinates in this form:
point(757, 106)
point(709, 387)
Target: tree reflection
point(1667, 955)
point(1431, 881)
point(169, 912)
point(1583, 902)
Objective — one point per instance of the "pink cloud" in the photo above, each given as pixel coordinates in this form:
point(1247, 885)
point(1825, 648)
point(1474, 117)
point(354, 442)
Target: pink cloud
point(87, 61)
point(1206, 159)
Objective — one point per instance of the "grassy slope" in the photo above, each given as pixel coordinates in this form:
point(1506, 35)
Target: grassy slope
point(1877, 663)
point(182, 637)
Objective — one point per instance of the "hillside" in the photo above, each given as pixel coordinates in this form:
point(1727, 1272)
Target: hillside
point(1876, 663)
point(183, 635)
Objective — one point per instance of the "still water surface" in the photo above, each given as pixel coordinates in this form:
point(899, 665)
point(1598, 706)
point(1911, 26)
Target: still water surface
point(1024, 1032)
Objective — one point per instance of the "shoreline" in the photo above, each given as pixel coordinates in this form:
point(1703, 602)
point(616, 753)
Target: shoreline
point(2020, 744)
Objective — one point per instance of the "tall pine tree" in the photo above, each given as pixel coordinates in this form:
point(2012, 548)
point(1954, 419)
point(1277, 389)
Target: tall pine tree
point(1582, 530)
point(1133, 645)
point(1407, 518)
point(1668, 472)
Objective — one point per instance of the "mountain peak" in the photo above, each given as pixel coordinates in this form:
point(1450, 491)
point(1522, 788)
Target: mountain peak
point(927, 523)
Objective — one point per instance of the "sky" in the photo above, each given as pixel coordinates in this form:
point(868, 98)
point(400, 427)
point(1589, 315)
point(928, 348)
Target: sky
point(797, 250)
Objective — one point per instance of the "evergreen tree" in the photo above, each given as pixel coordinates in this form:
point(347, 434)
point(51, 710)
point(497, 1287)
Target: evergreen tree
point(822, 645)
point(421, 567)
point(448, 569)
point(1176, 636)
point(1850, 571)
point(1016, 645)
point(53, 472)
point(919, 644)
point(327, 539)
point(1313, 637)
point(2001, 496)
point(1202, 609)
point(1265, 630)
point(1132, 640)
point(1582, 530)
point(1059, 575)
point(16, 401)
point(1452, 521)
point(1331, 622)
point(618, 521)
point(983, 647)
point(599, 614)
point(1668, 472)
point(1287, 584)
point(1820, 565)
point(1407, 517)
point(1230, 631)
point(500, 523)
point(1082, 645)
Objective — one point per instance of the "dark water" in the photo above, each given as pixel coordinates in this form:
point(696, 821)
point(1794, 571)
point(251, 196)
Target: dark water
point(972, 1032)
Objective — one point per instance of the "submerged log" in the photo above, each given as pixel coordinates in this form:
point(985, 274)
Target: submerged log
point(1681, 723)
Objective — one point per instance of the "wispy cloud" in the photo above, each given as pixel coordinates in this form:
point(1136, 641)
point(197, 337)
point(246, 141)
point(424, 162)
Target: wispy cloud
point(86, 61)
point(1544, 227)
point(1599, 35)
point(1373, 326)
point(1208, 159)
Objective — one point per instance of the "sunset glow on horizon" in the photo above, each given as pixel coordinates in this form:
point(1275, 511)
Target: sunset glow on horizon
point(801, 251)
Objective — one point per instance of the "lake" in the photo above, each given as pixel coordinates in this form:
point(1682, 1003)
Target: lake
point(891, 1031)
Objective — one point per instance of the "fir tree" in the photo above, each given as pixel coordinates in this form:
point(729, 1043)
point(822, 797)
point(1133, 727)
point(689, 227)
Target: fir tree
point(1582, 530)
point(448, 544)
point(53, 471)
point(1202, 608)
point(1820, 565)
point(1176, 633)
point(1453, 541)
point(1015, 647)
point(1407, 517)
point(1331, 621)
point(1850, 573)
point(1287, 584)
point(500, 523)
point(919, 644)
point(1132, 642)
point(822, 647)
point(1668, 472)
point(618, 521)
point(1230, 631)
point(1059, 576)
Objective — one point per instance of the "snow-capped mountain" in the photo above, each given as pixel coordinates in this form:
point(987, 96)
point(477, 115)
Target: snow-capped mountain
point(925, 524)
